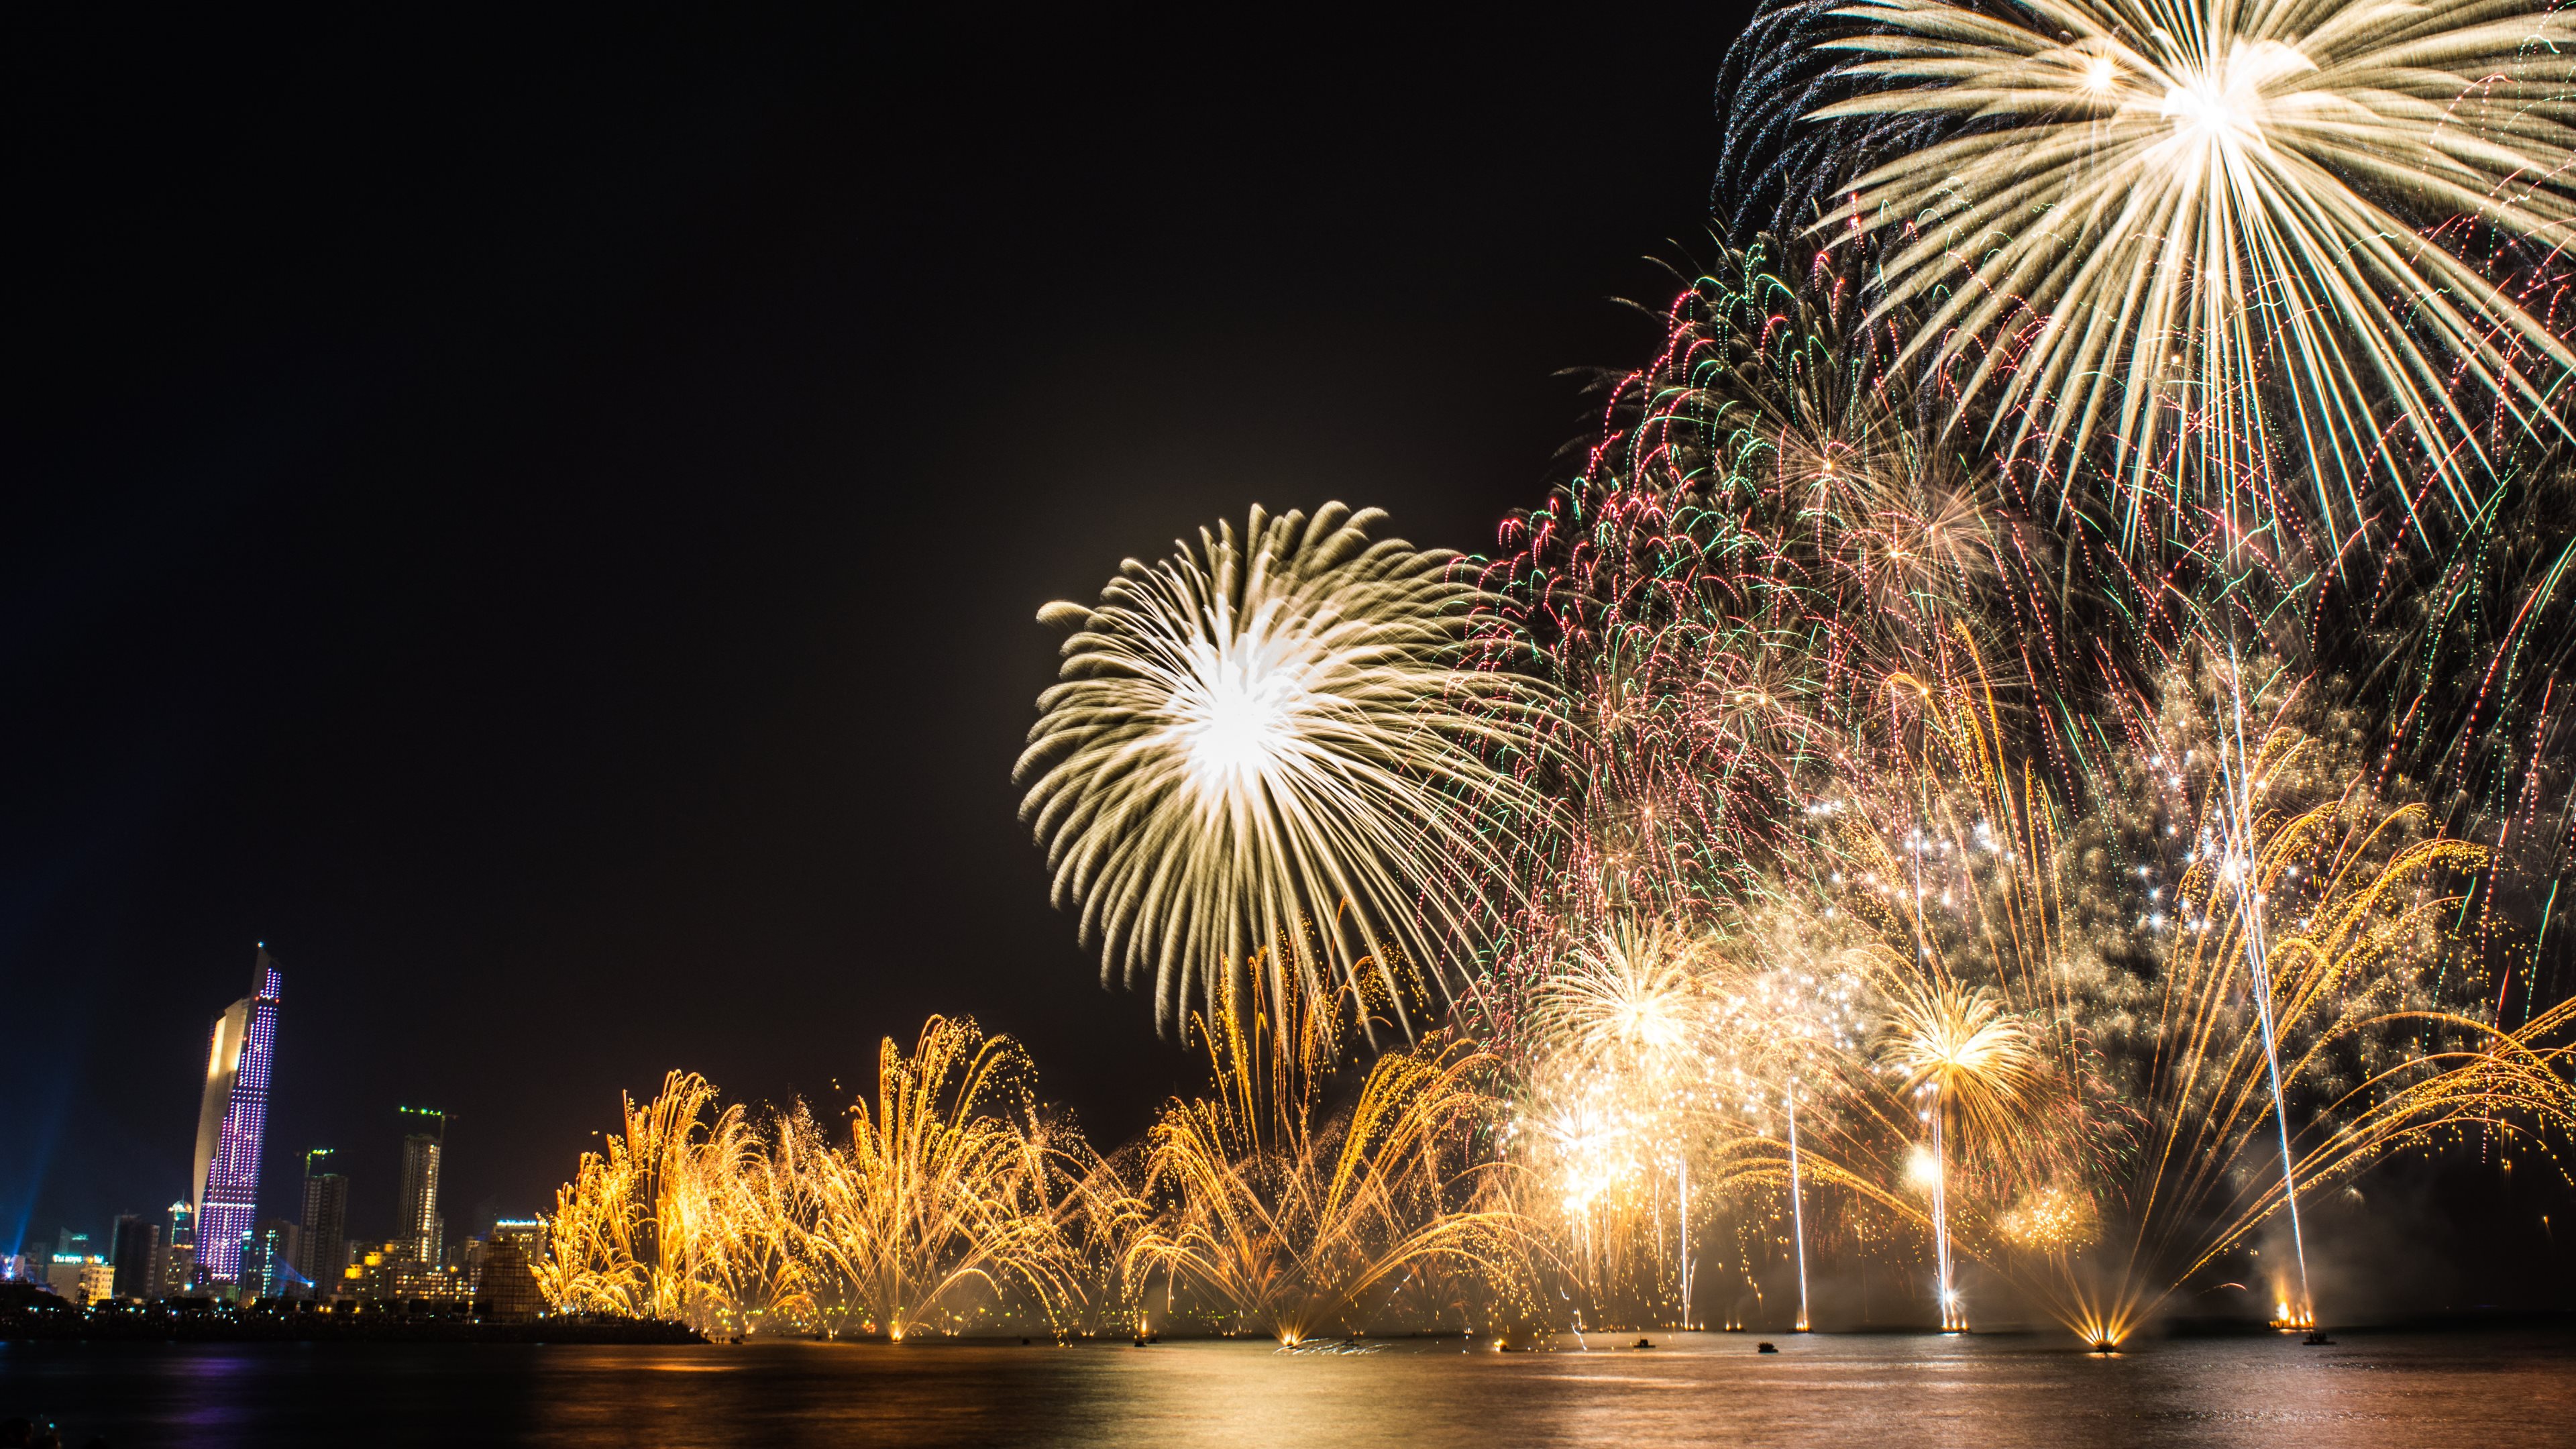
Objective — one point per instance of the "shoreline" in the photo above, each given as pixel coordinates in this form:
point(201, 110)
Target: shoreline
point(323, 1328)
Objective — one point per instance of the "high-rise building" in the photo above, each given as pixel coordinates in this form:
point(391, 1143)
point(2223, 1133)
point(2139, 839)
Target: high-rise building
point(323, 1250)
point(418, 1225)
point(136, 1256)
point(232, 1120)
point(268, 1260)
point(179, 1253)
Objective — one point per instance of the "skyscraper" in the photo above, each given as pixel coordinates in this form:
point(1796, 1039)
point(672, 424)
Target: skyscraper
point(268, 1254)
point(417, 1227)
point(231, 1121)
point(179, 1253)
point(136, 1251)
point(323, 1249)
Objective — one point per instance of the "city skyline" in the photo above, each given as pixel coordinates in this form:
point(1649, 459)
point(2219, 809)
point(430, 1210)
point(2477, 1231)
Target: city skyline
point(428, 733)
point(300, 1246)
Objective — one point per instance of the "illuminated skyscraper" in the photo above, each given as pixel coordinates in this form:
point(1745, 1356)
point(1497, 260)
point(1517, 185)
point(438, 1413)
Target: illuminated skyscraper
point(232, 1120)
point(179, 1253)
point(418, 1227)
point(324, 1247)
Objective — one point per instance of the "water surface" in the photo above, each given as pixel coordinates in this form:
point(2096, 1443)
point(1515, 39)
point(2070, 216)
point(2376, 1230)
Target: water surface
point(2486, 1388)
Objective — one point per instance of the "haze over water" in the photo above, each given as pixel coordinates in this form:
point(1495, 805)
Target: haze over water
point(2485, 1388)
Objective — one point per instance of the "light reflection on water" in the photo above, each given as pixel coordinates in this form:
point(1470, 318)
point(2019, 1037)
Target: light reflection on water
point(2488, 1388)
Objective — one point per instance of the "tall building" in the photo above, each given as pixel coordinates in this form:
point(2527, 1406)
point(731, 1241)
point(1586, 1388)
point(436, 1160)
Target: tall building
point(232, 1120)
point(136, 1256)
point(418, 1224)
point(179, 1253)
point(268, 1255)
point(323, 1249)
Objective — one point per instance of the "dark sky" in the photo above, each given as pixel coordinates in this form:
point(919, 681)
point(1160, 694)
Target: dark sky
point(542, 525)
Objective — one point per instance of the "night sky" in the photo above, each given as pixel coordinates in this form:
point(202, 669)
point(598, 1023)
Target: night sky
point(542, 525)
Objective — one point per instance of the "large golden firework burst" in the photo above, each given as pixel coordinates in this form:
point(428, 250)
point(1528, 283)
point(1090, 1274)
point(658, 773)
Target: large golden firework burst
point(2149, 210)
point(1275, 736)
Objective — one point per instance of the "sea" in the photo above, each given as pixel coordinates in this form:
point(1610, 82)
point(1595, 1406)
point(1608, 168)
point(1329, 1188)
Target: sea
point(2484, 1387)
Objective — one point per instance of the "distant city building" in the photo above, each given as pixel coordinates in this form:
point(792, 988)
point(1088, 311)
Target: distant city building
point(268, 1261)
point(253, 1269)
point(323, 1249)
point(81, 1278)
point(509, 1280)
point(136, 1256)
point(69, 1244)
point(528, 1233)
point(417, 1223)
point(390, 1274)
point(232, 1120)
point(178, 1277)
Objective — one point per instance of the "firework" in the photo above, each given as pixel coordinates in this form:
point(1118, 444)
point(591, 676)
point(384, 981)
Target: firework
point(1628, 1003)
point(944, 1193)
point(950, 1197)
point(1927, 787)
point(1290, 1220)
point(1618, 1105)
point(2231, 954)
point(1764, 538)
point(2180, 219)
point(2032, 1024)
point(1274, 730)
point(1961, 1051)
point(1797, 1202)
point(1904, 866)
point(1780, 166)
point(647, 1223)
point(2451, 660)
